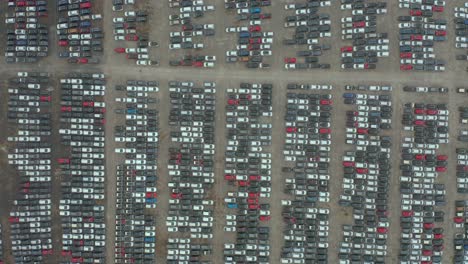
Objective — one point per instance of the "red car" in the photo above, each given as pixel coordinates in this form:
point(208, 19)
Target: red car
point(255, 28)
point(438, 236)
point(65, 108)
point(13, 219)
point(233, 102)
point(63, 161)
point(244, 183)
point(419, 122)
point(419, 156)
point(63, 43)
point(428, 225)
point(197, 64)
point(85, 5)
point(438, 8)
point(359, 24)
point(419, 111)
point(442, 157)
point(66, 253)
point(407, 213)
point(441, 33)
point(362, 131)
point(406, 67)
point(416, 37)
point(324, 130)
point(427, 252)
point(264, 218)
point(265, 16)
point(406, 55)
point(82, 60)
point(88, 104)
point(253, 194)
point(77, 260)
point(254, 177)
point(348, 163)
point(291, 129)
point(131, 37)
point(252, 200)
point(325, 102)
point(176, 195)
point(458, 220)
point(45, 98)
point(254, 206)
point(362, 170)
point(382, 230)
point(290, 60)
point(431, 112)
point(229, 177)
point(255, 41)
point(151, 195)
point(47, 252)
point(415, 12)
point(119, 50)
point(441, 169)
point(346, 49)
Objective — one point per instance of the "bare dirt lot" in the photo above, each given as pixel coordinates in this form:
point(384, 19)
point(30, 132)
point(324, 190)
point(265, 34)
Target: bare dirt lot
point(118, 70)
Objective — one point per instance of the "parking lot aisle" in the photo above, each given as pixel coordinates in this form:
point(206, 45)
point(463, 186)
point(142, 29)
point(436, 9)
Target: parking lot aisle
point(111, 162)
point(162, 172)
point(219, 188)
point(277, 182)
point(394, 212)
point(338, 215)
point(450, 181)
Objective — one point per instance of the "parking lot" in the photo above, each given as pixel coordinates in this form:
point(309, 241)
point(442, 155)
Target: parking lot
point(213, 235)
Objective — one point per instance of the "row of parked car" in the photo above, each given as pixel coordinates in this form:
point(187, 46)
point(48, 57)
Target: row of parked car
point(27, 34)
point(463, 120)
point(310, 27)
point(461, 31)
point(30, 155)
point(462, 170)
point(419, 32)
point(190, 33)
point(248, 172)
point(191, 170)
point(128, 28)
point(425, 89)
point(460, 241)
point(368, 45)
point(82, 167)
point(79, 31)
point(367, 169)
point(307, 148)
point(253, 42)
point(421, 238)
point(137, 175)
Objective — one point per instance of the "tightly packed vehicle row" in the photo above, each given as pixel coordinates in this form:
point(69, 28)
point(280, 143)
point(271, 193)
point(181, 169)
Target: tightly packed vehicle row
point(307, 146)
point(30, 155)
point(253, 42)
point(421, 196)
point(463, 120)
point(425, 89)
point(367, 170)
point(191, 171)
point(248, 172)
point(82, 168)
point(460, 240)
point(462, 170)
point(419, 32)
point(461, 32)
point(136, 190)
point(27, 34)
point(191, 32)
point(129, 27)
point(368, 45)
point(310, 27)
point(79, 31)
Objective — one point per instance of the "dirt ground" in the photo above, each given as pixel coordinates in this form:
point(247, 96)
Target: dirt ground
point(118, 70)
